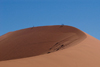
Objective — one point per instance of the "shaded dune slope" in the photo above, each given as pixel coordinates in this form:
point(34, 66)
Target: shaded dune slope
point(5, 36)
point(38, 40)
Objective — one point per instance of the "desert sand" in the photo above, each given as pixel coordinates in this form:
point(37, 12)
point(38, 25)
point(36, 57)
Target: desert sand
point(49, 46)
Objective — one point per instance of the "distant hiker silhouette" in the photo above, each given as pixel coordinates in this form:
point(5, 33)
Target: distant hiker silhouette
point(32, 27)
point(62, 25)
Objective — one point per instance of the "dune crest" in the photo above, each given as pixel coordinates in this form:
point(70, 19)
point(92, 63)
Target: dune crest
point(38, 40)
point(5, 36)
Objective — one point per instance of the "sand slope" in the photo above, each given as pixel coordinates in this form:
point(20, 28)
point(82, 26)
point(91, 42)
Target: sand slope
point(49, 46)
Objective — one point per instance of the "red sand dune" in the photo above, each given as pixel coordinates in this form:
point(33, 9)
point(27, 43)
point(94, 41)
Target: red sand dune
point(49, 46)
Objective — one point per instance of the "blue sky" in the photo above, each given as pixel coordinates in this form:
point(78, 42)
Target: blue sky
point(19, 14)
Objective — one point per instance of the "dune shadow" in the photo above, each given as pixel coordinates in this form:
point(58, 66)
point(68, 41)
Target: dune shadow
point(20, 47)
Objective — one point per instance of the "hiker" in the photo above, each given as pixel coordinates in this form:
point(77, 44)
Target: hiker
point(62, 25)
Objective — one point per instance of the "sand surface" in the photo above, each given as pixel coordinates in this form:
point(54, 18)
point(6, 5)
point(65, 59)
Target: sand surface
point(49, 46)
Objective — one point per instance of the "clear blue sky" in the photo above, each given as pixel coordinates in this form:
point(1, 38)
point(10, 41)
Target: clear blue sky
point(19, 14)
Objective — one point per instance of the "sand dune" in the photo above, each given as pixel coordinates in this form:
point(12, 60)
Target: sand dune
point(49, 46)
point(5, 36)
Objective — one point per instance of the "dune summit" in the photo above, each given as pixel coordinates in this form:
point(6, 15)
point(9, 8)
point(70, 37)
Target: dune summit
point(49, 46)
